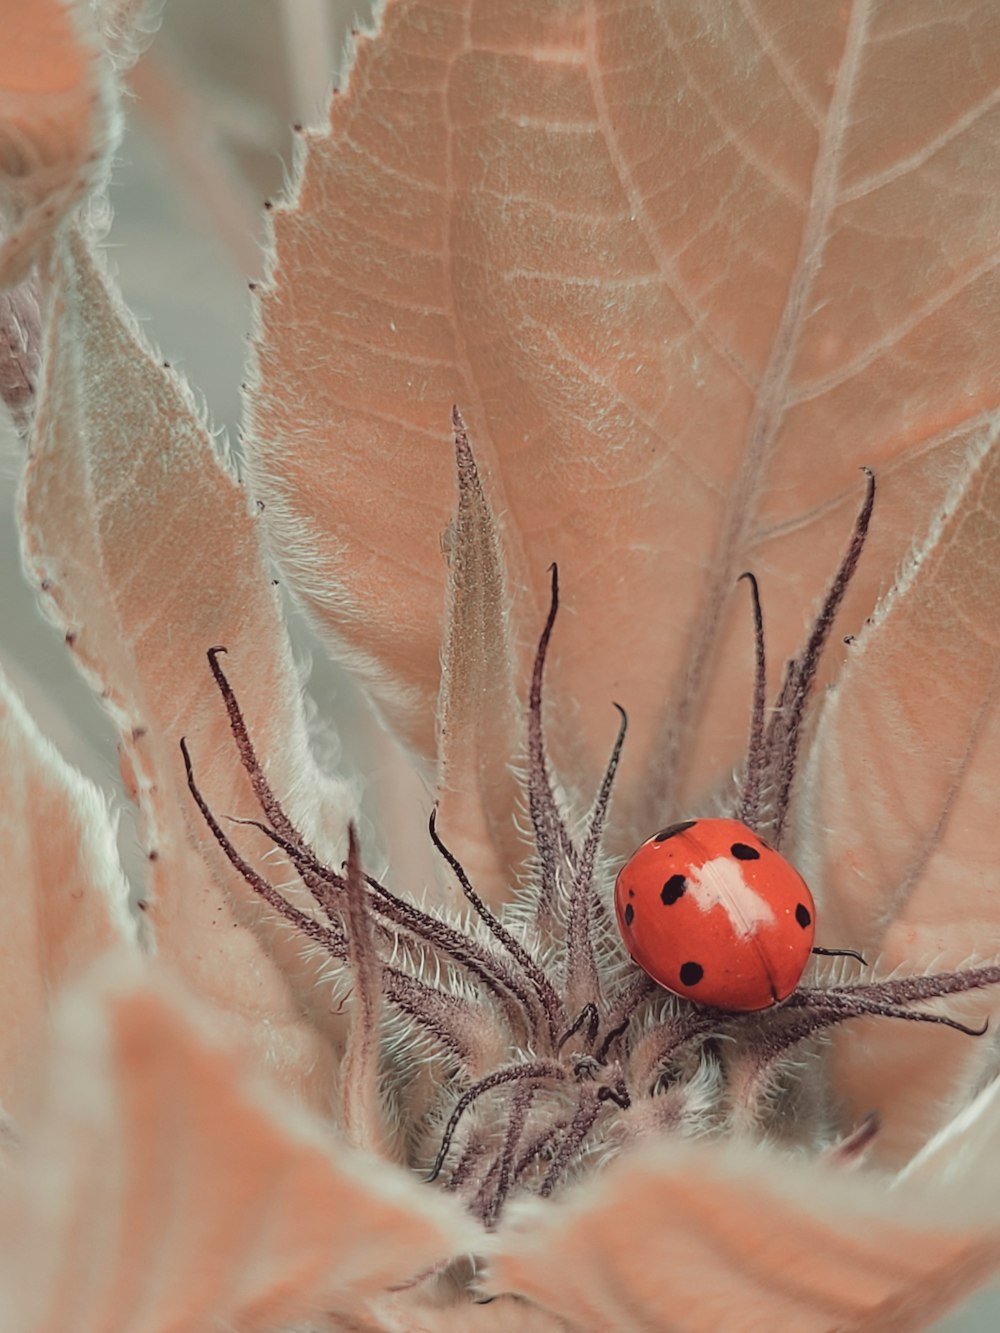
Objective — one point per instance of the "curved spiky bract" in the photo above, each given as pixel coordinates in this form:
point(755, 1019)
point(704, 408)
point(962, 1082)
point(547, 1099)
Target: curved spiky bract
point(773, 751)
point(548, 1049)
point(552, 838)
point(750, 803)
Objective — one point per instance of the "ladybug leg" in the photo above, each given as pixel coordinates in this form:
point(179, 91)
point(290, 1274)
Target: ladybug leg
point(840, 953)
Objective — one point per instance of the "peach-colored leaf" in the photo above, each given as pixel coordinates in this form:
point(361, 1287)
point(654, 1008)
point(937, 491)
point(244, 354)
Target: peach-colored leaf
point(698, 1238)
point(956, 1154)
point(146, 556)
point(899, 813)
point(57, 122)
point(479, 729)
point(683, 267)
point(127, 27)
point(417, 1312)
point(166, 1187)
point(63, 898)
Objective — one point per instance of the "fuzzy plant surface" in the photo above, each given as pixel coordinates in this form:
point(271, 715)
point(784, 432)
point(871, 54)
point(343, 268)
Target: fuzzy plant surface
point(574, 314)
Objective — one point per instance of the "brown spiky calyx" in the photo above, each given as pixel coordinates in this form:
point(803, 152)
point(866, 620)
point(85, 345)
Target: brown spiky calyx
point(592, 1054)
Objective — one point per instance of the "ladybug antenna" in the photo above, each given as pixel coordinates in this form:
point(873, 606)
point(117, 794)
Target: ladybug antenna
point(840, 953)
point(756, 751)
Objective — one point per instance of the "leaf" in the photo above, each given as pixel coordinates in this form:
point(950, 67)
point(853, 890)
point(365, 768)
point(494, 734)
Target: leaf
point(127, 27)
point(167, 1187)
point(684, 268)
point(58, 123)
point(145, 554)
point(902, 793)
point(64, 898)
point(693, 1232)
point(478, 726)
point(957, 1152)
point(504, 1314)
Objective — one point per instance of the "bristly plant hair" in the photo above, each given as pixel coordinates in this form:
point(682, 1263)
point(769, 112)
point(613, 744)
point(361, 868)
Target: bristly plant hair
point(589, 1041)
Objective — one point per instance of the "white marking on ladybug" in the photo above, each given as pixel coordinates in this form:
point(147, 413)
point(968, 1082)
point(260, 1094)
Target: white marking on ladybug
point(720, 883)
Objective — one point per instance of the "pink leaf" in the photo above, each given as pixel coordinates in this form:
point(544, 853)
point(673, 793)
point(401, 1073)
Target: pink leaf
point(146, 556)
point(166, 1187)
point(699, 1236)
point(64, 898)
point(898, 817)
point(958, 1152)
point(683, 267)
point(479, 728)
point(57, 123)
point(127, 27)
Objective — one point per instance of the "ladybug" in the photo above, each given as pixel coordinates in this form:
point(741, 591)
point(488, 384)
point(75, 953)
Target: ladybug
point(713, 913)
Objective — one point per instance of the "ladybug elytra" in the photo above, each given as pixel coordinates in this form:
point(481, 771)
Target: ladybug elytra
point(711, 912)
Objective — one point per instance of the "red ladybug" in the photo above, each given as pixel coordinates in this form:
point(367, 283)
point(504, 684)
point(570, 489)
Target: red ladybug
point(714, 914)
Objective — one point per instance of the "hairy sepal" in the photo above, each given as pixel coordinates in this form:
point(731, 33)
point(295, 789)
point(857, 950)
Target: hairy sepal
point(140, 542)
point(895, 819)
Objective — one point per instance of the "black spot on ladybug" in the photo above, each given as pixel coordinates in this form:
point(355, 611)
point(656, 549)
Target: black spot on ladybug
point(802, 915)
point(744, 853)
point(691, 973)
point(672, 890)
point(629, 914)
point(631, 893)
point(672, 830)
